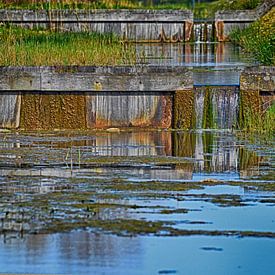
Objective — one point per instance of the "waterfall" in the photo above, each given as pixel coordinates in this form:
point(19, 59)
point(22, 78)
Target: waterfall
point(216, 107)
point(203, 32)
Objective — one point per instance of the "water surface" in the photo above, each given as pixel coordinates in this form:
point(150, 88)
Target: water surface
point(151, 202)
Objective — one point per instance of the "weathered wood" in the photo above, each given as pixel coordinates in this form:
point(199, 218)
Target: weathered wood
point(137, 110)
point(9, 110)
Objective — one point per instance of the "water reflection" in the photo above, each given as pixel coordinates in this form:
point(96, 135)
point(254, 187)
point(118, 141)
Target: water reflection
point(146, 185)
point(85, 253)
point(221, 62)
point(206, 153)
point(218, 55)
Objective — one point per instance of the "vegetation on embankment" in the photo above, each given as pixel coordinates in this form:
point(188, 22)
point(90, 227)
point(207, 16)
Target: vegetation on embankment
point(259, 38)
point(23, 47)
point(87, 4)
point(67, 4)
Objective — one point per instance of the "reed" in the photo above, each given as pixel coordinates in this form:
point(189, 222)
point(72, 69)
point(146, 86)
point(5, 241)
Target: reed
point(68, 4)
point(89, 4)
point(24, 47)
point(260, 122)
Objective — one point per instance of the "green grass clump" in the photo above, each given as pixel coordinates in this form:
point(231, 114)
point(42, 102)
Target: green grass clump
point(262, 122)
point(259, 38)
point(23, 47)
point(208, 9)
point(237, 4)
point(68, 4)
point(91, 4)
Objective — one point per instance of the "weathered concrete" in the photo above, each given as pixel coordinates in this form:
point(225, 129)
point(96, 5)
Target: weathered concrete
point(150, 96)
point(257, 86)
point(228, 20)
point(132, 25)
point(92, 97)
point(183, 109)
point(74, 78)
point(258, 79)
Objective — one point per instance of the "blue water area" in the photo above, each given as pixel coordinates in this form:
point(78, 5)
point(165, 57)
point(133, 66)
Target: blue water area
point(202, 185)
point(212, 63)
point(89, 253)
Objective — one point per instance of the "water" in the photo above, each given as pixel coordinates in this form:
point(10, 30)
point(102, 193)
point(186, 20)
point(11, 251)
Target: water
point(212, 63)
point(217, 107)
point(88, 253)
point(153, 202)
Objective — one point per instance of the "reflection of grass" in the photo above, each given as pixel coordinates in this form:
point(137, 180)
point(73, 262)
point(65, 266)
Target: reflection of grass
point(19, 47)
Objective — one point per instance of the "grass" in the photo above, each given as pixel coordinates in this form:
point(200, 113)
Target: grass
point(237, 4)
point(23, 47)
point(259, 38)
point(88, 4)
point(261, 122)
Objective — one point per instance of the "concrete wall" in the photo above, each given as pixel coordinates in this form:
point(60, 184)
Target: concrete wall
point(132, 25)
point(89, 97)
point(226, 21)
point(151, 96)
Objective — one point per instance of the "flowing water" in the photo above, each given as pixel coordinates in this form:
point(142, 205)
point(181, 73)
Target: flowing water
point(152, 202)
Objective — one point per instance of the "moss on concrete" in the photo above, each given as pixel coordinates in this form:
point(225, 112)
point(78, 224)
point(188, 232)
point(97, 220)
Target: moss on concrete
point(184, 109)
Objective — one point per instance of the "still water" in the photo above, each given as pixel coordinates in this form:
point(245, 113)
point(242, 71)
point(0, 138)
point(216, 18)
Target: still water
point(212, 63)
point(152, 202)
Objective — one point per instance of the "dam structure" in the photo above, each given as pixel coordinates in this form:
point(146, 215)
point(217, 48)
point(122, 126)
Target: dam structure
point(177, 84)
point(100, 97)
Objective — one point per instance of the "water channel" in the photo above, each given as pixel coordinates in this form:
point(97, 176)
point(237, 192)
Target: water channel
point(142, 202)
point(136, 202)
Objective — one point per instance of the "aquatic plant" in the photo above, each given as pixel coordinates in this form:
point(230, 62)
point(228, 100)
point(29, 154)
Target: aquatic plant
point(259, 38)
point(21, 47)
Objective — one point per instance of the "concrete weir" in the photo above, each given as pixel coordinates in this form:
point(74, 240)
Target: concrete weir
point(90, 97)
point(34, 98)
point(130, 25)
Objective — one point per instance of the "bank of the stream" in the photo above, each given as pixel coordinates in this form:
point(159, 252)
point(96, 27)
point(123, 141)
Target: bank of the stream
point(258, 38)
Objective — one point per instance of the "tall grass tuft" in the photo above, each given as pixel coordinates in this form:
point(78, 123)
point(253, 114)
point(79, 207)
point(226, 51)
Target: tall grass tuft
point(90, 4)
point(23, 47)
point(261, 122)
point(69, 4)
